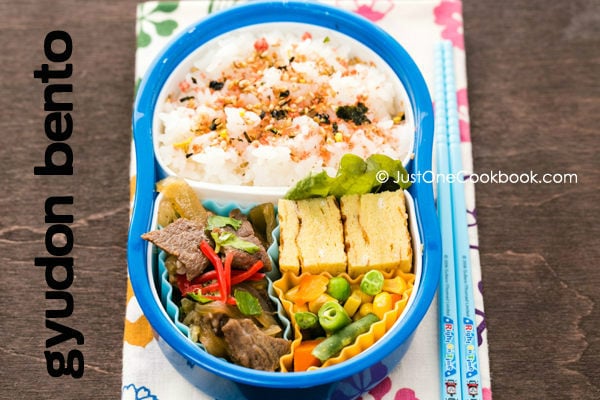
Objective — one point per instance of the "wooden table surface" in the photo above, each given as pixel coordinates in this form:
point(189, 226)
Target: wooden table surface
point(534, 92)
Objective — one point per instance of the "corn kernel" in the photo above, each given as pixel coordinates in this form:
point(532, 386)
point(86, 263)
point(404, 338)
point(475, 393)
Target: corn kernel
point(398, 118)
point(352, 304)
point(364, 309)
point(394, 285)
point(183, 145)
point(364, 298)
point(338, 137)
point(223, 134)
point(382, 303)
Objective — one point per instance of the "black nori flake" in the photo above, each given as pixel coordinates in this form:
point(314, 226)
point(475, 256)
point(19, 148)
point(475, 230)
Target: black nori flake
point(278, 114)
point(188, 155)
point(194, 80)
point(213, 125)
point(334, 126)
point(356, 114)
point(323, 118)
point(216, 85)
point(284, 94)
point(186, 98)
point(247, 137)
point(262, 114)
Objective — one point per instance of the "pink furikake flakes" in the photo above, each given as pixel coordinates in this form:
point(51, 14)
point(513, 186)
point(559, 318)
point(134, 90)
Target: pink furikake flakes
point(268, 108)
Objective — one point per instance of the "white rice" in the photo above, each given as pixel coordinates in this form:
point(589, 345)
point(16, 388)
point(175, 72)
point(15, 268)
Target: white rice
point(274, 120)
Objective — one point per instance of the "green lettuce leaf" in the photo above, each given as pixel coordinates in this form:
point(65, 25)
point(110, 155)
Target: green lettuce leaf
point(217, 221)
point(314, 185)
point(229, 239)
point(354, 176)
point(398, 176)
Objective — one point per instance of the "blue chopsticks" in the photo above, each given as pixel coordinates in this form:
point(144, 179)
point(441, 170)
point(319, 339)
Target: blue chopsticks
point(450, 369)
point(458, 332)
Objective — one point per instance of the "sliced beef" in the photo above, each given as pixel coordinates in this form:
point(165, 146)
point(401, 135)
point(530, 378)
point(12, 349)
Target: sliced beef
point(241, 258)
point(215, 321)
point(251, 348)
point(182, 238)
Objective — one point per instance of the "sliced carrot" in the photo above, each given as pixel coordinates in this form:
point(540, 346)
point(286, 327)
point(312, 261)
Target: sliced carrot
point(303, 358)
point(395, 297)
point(310, 287)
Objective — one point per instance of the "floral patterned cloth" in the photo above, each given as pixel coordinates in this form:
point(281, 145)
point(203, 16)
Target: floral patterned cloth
point(417, 25)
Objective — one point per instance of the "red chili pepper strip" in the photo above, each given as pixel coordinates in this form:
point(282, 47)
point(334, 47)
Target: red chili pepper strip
point(212, 275)
point(183, 284)
point(255, 277)
point(186, 286)
point(257, 266)
point(215, 260)
point(250, 274)
point(227, 270)
point(231, 301)
point(205, 277)
point(234, 281)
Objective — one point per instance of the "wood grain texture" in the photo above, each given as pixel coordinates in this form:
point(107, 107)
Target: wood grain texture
point(534, 100)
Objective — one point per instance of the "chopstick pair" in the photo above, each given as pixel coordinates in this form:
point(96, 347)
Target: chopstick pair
point(458, 331)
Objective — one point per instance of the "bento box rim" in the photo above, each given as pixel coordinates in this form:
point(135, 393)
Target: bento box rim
point(392, 52)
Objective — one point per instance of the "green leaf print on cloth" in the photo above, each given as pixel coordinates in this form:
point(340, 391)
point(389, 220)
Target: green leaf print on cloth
point(163, 27)
point(217, 5)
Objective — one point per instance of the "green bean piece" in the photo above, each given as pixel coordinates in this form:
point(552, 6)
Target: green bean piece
point(333, 317)
point(306, 319)
point(332, 345)
point(339, 288)
point(372, 282)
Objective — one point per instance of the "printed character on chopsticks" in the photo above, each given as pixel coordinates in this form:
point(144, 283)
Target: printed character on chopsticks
point(472, 388)
point(451, 388)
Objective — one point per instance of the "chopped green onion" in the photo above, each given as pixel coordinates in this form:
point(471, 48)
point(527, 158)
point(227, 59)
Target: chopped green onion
point(198, 297)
